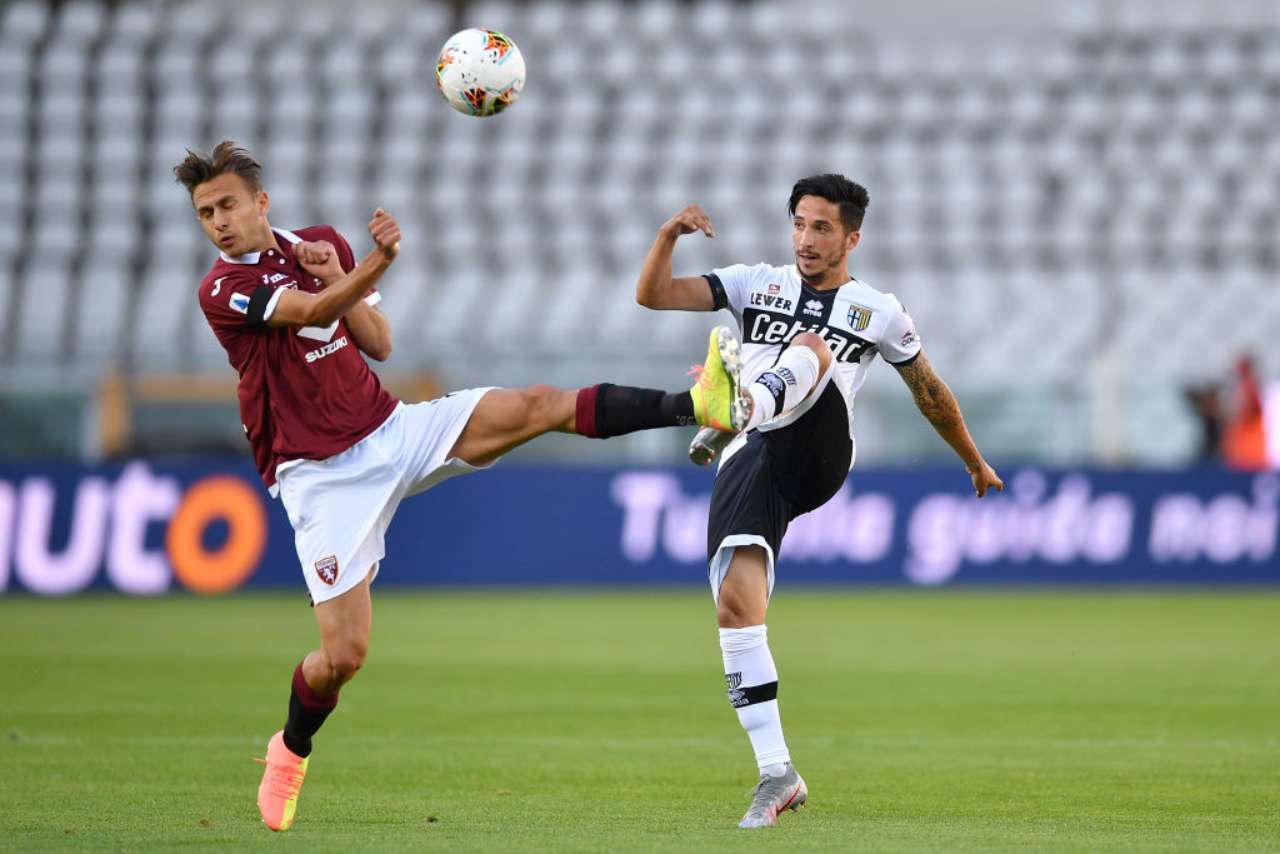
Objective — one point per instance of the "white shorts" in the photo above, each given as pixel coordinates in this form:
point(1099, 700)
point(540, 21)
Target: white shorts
point(340, 507)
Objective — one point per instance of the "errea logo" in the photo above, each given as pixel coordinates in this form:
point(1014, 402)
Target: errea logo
point(813, 307)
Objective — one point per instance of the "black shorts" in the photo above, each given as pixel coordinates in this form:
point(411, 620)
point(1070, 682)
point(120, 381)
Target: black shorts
point(781, 474)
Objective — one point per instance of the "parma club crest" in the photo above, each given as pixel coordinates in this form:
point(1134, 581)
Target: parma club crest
point(859, 317)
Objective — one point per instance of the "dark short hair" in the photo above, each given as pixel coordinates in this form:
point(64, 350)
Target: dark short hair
point(850, 196)
point(226, 157)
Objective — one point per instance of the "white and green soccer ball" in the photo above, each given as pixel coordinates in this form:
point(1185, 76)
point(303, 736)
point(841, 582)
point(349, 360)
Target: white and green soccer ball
point(480, 72)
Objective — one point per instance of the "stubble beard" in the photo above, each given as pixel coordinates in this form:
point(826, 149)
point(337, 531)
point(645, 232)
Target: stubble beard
point(831, 269)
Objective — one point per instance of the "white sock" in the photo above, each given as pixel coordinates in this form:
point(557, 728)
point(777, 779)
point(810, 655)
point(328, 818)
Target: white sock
point(753, 691)
point(784, 385)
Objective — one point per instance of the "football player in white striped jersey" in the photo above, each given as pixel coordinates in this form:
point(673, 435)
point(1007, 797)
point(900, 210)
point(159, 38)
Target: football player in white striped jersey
point(810, 332)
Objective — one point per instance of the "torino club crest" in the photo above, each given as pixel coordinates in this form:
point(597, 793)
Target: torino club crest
point(327, 569)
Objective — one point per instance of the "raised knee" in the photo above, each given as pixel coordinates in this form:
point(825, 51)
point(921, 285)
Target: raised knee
point(814, 342)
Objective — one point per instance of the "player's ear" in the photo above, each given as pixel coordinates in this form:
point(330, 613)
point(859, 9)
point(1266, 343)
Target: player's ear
point(851, 240)
point(263, 201)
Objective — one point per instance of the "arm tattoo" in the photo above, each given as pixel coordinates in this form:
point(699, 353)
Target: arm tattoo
point(936, 403)
point(934, 400)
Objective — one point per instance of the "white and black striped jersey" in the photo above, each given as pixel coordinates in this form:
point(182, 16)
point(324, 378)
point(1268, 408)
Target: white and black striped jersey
point(772, 305)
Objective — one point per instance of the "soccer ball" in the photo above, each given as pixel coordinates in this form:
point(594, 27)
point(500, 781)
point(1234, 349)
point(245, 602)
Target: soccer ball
point(480, 72)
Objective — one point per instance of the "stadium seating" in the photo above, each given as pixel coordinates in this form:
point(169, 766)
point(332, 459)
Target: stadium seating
point(1041, 211)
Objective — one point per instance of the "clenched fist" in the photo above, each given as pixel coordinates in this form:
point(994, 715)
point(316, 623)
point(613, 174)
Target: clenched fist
point(320, 259)
point(385, 232)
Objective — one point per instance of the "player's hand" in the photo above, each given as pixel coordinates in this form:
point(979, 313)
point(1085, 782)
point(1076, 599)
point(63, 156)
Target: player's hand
point(984, 477)
point(692, 218)
point(319, 258)
point(385, 232)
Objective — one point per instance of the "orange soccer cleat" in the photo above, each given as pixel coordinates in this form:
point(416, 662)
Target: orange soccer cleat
point(281, 783)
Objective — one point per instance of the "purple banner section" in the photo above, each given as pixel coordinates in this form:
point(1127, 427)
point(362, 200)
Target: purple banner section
point(146, 527)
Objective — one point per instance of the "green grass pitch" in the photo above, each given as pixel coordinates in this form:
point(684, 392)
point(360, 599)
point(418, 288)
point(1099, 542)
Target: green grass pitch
point(596, 721)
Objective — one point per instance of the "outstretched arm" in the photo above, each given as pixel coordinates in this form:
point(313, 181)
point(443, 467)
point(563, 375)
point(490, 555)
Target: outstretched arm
point(656, 288)
point(936, 403)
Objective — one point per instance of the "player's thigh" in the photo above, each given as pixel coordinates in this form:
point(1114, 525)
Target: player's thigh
point(744, 593)
point(346, 621)
point(810, 459)
point(506, 418)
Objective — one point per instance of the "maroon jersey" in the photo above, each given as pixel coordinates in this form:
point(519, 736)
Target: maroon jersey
point(305, 394)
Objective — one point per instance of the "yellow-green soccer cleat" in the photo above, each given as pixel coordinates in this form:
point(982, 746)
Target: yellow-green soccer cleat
point(281, 783)
point(718, 401)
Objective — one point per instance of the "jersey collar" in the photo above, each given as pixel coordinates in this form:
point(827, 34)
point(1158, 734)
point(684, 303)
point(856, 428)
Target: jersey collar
point(254, 257)
point(805, 286)
point(246, 258)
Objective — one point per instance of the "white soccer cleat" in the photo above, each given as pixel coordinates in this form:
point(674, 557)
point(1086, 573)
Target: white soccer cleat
point(708, 444)
point(774, 795)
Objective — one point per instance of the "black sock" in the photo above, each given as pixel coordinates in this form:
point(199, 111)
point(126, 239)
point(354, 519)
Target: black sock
point(307, 711)
point(608, 410)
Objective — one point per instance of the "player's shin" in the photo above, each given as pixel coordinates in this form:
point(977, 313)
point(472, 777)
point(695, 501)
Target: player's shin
point(752, 681)
point(607, 410)
point(307, 712)
point(784, 385)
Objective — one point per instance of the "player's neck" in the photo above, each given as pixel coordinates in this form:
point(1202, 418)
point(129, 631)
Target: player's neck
point(828, 282)
point(267, 241)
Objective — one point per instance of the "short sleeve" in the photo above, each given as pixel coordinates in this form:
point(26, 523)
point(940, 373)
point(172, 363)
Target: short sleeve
point(730, 286)
point(236, 301)
point(901, 343)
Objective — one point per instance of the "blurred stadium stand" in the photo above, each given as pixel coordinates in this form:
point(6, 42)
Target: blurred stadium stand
point(1082, 225)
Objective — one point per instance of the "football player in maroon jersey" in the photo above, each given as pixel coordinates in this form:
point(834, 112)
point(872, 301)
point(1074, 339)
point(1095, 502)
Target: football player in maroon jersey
point(294, 311)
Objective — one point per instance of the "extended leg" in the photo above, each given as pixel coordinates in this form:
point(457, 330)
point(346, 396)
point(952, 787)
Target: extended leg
point(507, 418)
point(504, 419)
